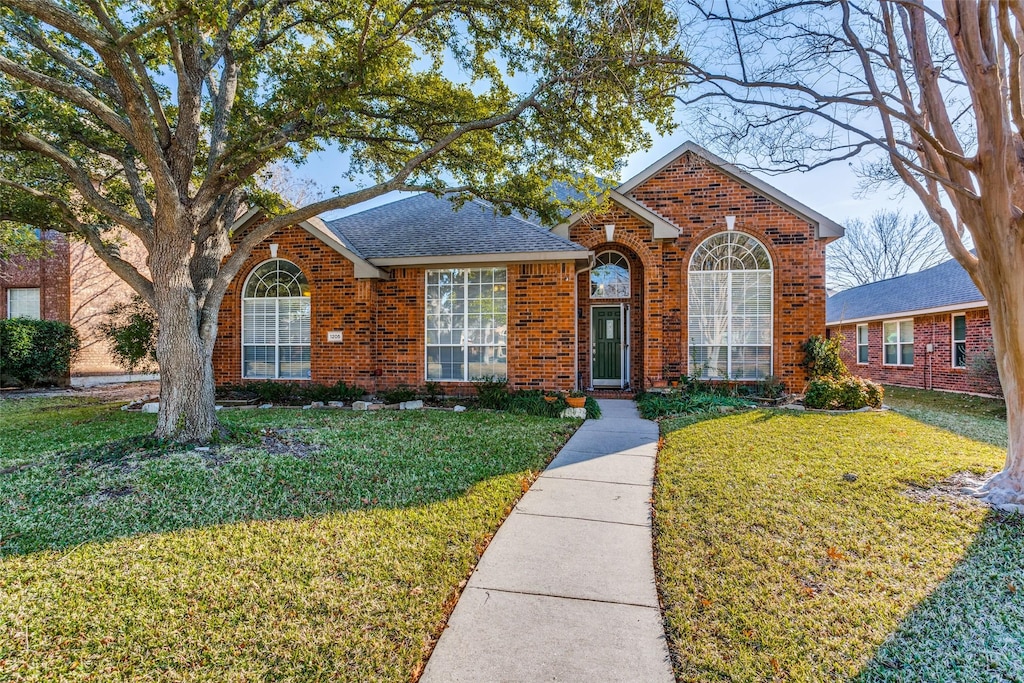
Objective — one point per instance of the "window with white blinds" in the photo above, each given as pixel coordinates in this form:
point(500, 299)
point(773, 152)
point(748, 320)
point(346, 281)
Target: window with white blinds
point(23, 302)
point(275, 322)
point(730, 308)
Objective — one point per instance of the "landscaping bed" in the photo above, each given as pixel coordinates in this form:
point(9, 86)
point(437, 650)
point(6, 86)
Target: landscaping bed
point(817, 547)
point(311, 545)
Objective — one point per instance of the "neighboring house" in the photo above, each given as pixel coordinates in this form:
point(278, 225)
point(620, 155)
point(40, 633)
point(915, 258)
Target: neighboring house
point(72, 285)
point(694, 267)
point(929, 330)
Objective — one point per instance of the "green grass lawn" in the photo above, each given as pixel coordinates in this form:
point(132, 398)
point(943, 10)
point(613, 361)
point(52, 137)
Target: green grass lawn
point(976, 417)
point(316, 545)
point(773, 566)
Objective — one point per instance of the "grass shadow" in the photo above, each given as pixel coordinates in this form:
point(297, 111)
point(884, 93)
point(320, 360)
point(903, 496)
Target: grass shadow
point(971, 627)
point(282, 464)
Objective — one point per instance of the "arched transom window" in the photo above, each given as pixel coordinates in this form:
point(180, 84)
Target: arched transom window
point(730, 308)
point(609, 278)
point(275, 322)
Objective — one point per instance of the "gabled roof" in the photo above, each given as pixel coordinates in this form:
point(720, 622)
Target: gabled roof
point(826, 228)
point(316, 227)
point(429, 229)
point(660, 228)
point(946, 286)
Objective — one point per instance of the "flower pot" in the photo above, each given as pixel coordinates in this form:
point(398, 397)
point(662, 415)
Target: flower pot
point(577, 401)
point(550, 399)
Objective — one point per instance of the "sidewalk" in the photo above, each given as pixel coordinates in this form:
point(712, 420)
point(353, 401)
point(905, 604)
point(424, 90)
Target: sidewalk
point(565, 591)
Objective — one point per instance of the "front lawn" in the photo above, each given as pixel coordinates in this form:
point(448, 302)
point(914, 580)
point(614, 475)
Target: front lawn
point(787, 549)
point(316, 545)
point(976, 417)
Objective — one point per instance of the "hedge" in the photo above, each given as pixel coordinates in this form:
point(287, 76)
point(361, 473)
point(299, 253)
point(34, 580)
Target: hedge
point(36, 351)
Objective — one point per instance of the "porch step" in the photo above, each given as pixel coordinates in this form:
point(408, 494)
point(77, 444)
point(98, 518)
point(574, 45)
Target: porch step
point(611, 393)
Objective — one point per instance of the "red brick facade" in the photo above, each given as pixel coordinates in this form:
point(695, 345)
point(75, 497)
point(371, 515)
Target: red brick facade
point(934, 369)
point(50, 275)
point(382, 321)
point(75, 287)
point(696, 197)
point(549, 305)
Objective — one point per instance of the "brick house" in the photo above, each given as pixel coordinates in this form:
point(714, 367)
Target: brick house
point(693, 267)
point(70, 284)
point(928, 330)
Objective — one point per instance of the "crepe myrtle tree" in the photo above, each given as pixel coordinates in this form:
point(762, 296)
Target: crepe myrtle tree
point(157, 118)
point(924, 95)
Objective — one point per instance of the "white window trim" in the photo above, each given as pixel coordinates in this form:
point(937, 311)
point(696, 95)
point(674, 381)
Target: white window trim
point(866, 345)
point(39, 301)
point(953, 341)
point(465, 324)
point(277, 329)
point(771, 313)
point(899, 343)
point(629, 277)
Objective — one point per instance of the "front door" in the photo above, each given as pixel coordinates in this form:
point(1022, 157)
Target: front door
point(607, 345)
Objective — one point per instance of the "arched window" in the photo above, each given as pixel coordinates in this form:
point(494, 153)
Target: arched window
point(609, 278)
point(730, 308)
point(275, 322)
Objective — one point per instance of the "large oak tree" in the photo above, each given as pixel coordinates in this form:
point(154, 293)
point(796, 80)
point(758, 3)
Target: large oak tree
point(925, 95)
point(157, 118)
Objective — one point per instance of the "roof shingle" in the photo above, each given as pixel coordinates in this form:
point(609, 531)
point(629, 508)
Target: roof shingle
point(946, 284)
point(425, 225)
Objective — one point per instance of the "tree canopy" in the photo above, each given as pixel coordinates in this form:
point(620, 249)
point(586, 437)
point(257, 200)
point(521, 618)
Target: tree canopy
point(158, 118)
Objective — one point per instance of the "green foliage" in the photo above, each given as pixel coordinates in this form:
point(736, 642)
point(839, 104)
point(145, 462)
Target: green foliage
point(131, 330)
point(291, 393)
point(492, 392)
point(653, 405)
point(36, 351)
point(434, 391)
point(864, 580)
point(305, 556)
point(532, 402)
point(399, 394)
point(339, 391)
point(593, 409)
point(845, 393)
point(18, 239)
point(822, 359)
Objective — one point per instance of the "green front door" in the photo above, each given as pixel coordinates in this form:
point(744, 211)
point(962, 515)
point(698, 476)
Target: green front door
point(607, 340)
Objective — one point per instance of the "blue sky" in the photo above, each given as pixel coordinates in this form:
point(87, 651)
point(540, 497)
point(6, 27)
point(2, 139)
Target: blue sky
point(830, 190)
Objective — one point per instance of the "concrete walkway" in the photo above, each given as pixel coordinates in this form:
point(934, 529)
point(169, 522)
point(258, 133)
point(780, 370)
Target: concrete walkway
point(565, 591)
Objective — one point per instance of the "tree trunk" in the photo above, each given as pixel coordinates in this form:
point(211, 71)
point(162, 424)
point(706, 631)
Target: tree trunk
point(187, 401)
point(1004, 284)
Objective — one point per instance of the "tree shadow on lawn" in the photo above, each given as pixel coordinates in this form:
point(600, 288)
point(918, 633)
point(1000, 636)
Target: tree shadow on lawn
point(282, 467)
point(971, 627)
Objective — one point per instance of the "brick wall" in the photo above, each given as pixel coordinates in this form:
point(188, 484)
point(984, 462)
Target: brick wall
point(382, 321)
point(930, 370)
point(94, 290)
point(49, 274)
point(696, 197)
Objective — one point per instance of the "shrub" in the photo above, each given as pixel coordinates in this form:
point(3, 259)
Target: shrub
point(36, 351)
point(492, 392)
point(821, 357)
point(131, 330)
point(593, 409)
point(532, 402)
point(434, 391)
point(847, 393)
point(399, 394)
point(268, 391)
point(654, 405)
point(339, 391)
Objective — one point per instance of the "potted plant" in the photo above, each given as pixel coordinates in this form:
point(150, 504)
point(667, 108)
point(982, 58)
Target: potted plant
point(552, 396)
point(576, 399)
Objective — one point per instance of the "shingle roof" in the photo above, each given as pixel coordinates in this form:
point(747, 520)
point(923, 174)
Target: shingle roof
point(946, 284)
point(425, 225)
